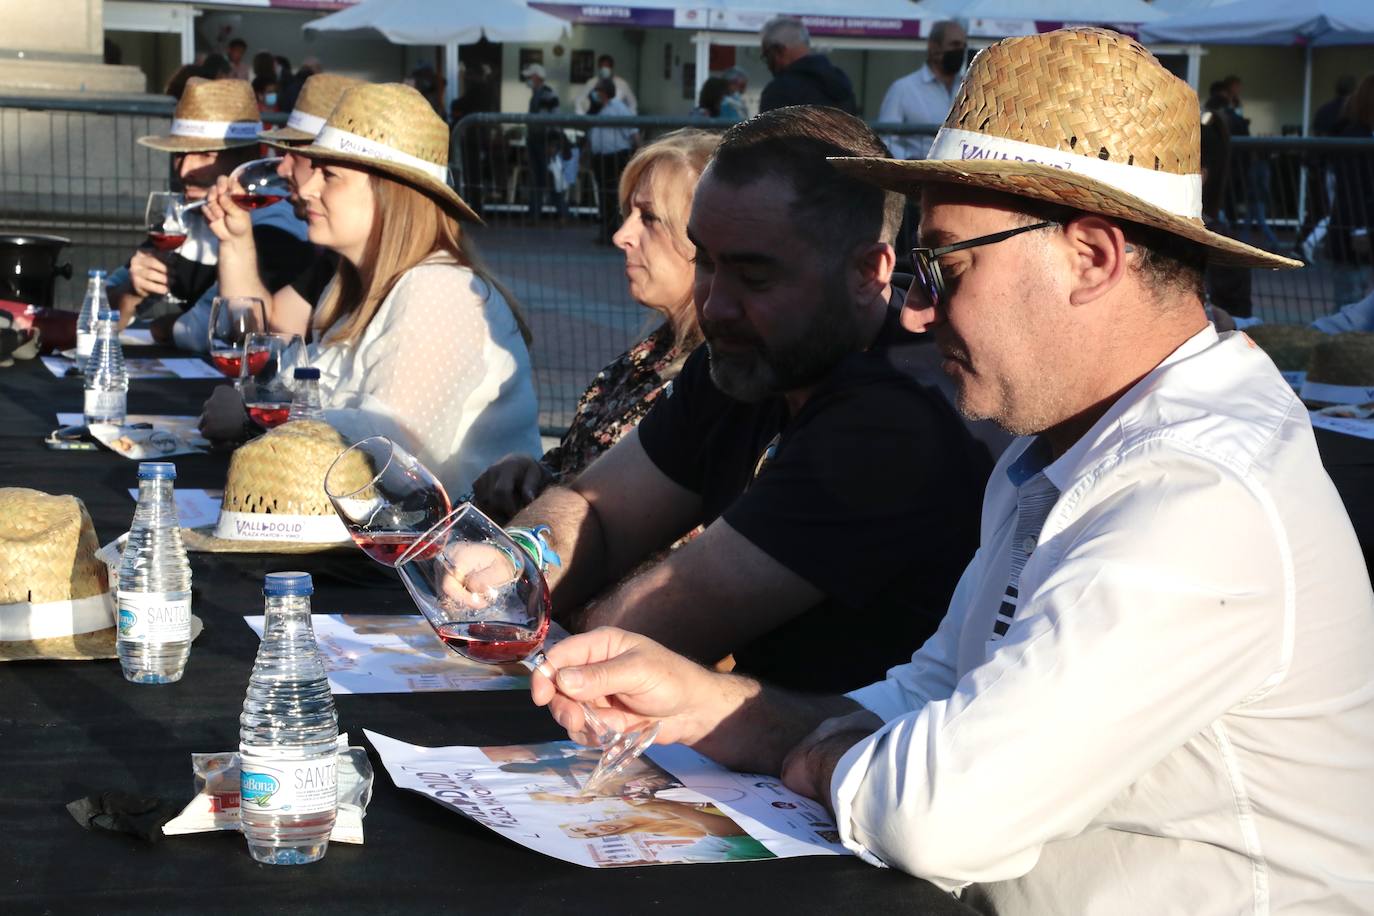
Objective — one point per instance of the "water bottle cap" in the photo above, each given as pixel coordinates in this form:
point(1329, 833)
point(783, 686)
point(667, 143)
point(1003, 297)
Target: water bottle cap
point(95, 273)
point(108, 315)
point(308, 372)
point(286, 584)
point(157, 470)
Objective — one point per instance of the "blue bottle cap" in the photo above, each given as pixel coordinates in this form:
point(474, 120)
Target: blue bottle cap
point(108, 315)
point(285, 584)
point(95, 272)
point(157, 470)
point(307, 372)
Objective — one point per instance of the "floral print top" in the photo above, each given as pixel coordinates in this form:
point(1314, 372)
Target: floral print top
point(615, 402)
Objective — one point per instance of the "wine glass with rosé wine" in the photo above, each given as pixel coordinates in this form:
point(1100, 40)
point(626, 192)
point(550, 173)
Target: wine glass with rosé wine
point(488, 601)
point(266, 391)
point(165, 221)
point(259, 185)
point(232, 320)
point(386, 498)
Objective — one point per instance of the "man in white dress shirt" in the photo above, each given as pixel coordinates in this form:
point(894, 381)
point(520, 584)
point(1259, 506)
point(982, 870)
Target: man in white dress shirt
point(924, 97)
point(1152, 692)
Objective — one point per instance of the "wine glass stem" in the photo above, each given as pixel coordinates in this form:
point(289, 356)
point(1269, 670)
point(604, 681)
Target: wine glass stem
point(605, 735)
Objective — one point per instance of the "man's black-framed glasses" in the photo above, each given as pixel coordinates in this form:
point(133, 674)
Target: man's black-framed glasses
point(927, 260)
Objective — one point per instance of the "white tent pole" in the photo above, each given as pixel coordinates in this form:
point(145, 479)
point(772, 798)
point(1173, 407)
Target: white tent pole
point(703, 45)
point(450, 74)
point(1195, 67)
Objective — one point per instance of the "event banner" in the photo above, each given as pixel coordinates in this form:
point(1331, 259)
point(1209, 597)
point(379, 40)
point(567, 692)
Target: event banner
point(672, 806)
point(399, 653)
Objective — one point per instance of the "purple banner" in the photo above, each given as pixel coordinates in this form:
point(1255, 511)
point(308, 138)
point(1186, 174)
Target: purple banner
point(606, 14)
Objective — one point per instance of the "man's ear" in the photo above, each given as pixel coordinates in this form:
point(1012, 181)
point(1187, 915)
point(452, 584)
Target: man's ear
point(1098, 253)
point(874, 265)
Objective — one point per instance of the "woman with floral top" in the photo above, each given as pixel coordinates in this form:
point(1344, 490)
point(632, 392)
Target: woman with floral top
point(656, 199)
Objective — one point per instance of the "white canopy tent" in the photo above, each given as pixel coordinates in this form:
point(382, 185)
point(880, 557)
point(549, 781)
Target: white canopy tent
point(1315, 23)
point(445, 22)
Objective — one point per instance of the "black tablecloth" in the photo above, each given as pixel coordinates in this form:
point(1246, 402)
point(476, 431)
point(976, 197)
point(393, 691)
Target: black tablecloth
point(68, 729)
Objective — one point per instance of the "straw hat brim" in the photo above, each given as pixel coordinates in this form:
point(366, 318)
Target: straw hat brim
point(82, 647)
point(286, 135)
point(1057, 186)
point(203, 540)
point(168, 143)
point(440, 191)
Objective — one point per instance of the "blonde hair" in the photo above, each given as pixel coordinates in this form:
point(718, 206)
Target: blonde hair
point(407, 227)
point(669, 167)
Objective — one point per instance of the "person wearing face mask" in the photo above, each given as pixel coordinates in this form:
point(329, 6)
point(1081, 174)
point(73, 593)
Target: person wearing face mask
point(605, 70)
point(543, 100)
point(925, 96)
point(610, 148)
point(656, 192)
point(733, 105)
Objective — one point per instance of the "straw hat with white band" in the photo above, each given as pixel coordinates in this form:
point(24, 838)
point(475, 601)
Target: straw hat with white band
point(392, 129)
point(318, 97)
point(212, 115)
point(1086, 118)
point(53, 590)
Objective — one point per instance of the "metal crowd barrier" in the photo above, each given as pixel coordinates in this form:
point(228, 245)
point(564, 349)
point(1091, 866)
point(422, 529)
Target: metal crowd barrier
point(71, 166)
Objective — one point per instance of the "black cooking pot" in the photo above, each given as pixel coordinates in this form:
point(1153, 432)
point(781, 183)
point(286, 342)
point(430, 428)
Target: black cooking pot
point(29, 268)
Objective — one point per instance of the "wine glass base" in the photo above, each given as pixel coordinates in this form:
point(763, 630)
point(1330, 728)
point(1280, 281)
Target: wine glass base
point(623, 750)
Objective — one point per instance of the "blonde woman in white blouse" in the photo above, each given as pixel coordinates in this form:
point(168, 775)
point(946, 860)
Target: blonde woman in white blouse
point(415, 340)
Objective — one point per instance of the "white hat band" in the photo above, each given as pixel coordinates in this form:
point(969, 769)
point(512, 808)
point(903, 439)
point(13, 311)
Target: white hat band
point(215, 130)
point(1178, 194)
point(50, 619)
point(264, 526)
point(304, 121)
point(341, 141)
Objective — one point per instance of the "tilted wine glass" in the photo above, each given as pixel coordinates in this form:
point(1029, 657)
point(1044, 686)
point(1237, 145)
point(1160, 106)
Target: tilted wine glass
point(488, 601)
point(259, 185)
point(385, 496)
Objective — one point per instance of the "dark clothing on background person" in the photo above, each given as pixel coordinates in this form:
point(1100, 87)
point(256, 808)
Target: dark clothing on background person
point(280, 257)
point(1352, 212)
point(1327, 121)
point(542, 101)
point(1228, 287)
point(810, 80)
point(310, 282)
point(871, 493)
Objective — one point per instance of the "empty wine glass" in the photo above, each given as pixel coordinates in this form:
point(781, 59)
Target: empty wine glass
point(385, 496)
point(165, 220)
point(232, 319)
point(265, 386)
point(488, 601)
point(259, 185)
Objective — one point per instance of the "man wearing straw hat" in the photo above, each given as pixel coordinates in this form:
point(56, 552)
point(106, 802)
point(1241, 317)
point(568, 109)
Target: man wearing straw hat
point(214, 130)
point(1152, 692)
point(288, 307)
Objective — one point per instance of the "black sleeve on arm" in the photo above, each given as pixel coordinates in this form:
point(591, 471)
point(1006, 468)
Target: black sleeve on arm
point(874, 484)
point(674, 433)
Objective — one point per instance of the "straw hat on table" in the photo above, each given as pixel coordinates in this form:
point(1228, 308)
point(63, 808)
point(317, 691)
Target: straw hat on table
point(1086, 118)
point(55, 599)
point(211, 115)
point(390, 128)
point(274, 498)
point(318, 97)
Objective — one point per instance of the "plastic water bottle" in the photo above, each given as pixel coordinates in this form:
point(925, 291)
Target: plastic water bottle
point(154, 584)
point(91, 307)
point(288, 734)
point(107, 381)
point(306, 403)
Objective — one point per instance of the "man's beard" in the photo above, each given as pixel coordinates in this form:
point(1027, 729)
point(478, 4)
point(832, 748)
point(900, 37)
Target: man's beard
point(762, 371)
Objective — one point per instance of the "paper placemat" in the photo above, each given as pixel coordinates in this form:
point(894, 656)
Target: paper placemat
point(194, 507)
point(140, 367)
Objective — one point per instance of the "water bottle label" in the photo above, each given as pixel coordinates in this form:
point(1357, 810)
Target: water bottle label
point(85, 343)
point(283, 784)
point(106, 404)
point(154, 617)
